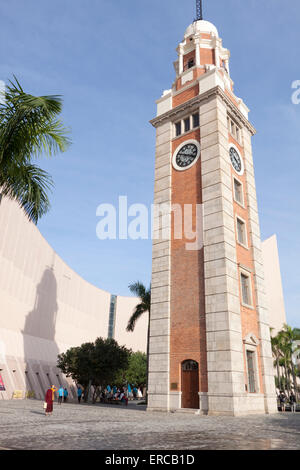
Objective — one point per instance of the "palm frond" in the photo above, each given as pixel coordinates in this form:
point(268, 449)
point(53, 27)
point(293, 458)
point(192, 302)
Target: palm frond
point(144, 295)
point(29, 128)
point(137, 313)
point(29, 185)
point(138, 289)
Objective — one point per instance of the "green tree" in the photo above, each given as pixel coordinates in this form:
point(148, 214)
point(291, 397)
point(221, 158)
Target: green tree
point(136, 373)
point(142, 308)
point(77, 362)
point(94, 364)
point(288, 336)
point(29, 128)
point(109, 360)
point(137, 369)
point(277, 354)
point(283, 346)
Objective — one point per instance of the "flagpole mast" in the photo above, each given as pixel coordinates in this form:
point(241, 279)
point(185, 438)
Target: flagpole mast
point(199, 10)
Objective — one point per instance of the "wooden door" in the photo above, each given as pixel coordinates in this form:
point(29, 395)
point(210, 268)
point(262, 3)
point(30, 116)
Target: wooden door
point(190, 385)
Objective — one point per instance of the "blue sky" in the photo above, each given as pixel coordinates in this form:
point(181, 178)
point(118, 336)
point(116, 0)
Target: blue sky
point(111, 60)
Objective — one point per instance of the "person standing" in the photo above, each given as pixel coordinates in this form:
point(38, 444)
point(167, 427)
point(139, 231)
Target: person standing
point(49, 398)
point(293, 402)
point(60, 395)
point(282, 400)
point(79, 394)
point(66, 393)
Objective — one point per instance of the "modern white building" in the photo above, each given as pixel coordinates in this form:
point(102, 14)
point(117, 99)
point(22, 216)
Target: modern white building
point(46, 308)
point(273, 283)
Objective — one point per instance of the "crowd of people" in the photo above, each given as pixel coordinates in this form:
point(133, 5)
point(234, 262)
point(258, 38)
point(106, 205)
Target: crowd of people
point(108, 395)
point(123, 394)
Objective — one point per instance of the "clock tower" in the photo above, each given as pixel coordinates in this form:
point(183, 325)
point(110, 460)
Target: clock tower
point(209, 346)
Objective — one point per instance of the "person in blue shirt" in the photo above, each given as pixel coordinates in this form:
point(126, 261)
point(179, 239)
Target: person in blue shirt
point(66, 393)
point(60, 395)
point(79, 394)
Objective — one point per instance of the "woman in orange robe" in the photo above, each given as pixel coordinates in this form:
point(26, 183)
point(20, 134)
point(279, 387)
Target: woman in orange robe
point(49, 397)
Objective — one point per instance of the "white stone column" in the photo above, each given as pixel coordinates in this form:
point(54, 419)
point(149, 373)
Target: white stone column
point(263, 314)
point(226, 383)
point(197, 45)
point(227, 66)
point(217, 55)
point(159, 348)
point(180, 60)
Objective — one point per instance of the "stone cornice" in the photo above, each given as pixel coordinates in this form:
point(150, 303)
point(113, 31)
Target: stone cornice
point(200, 99)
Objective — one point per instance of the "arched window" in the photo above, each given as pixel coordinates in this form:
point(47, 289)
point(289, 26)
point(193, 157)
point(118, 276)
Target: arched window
point(250, 344)
point(191, 63)
point(190, 365)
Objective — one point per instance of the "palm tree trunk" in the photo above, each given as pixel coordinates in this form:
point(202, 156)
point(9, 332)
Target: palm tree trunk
point(286, 377)
point(87, 394)
point(278, 373)
point(294, 381)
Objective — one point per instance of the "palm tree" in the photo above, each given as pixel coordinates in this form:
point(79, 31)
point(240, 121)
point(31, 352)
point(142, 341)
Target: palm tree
point(284, 344)
point(288, 336)
point(144, 306)
point(275, 343)
point(29, 128)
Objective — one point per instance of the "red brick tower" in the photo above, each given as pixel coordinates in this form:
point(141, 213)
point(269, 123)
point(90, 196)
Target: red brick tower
point(209, 330)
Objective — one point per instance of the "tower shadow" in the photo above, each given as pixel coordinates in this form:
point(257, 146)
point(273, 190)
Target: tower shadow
point(40, 348)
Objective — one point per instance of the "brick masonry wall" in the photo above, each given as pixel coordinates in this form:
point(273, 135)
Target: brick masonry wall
point(188, 331)
point(207, 56)
point(185, 95)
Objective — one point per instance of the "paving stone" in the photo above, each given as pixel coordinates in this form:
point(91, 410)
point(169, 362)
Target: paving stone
point(23, 425)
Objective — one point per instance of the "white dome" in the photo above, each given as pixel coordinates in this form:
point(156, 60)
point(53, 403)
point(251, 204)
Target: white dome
point(201, 26)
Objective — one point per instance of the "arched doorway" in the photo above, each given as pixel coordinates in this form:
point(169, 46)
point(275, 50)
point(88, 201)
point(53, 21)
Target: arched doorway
point(190, 384)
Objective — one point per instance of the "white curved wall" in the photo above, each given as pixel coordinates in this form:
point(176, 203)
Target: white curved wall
point(45, 308)
point(273, 283)
point(137, 340)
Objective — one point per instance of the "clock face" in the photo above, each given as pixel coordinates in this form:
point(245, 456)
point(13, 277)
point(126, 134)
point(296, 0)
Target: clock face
point(186, 156)
point(236, 160)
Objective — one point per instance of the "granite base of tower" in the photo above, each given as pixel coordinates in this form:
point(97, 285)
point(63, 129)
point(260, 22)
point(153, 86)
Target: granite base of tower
point(216, 405)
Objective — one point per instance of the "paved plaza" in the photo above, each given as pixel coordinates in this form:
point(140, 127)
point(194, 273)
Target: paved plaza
point(23, 425)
